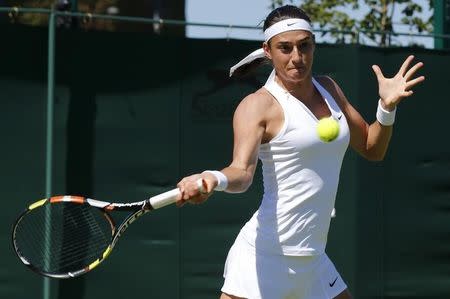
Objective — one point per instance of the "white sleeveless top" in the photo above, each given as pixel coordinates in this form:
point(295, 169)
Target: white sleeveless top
point(301, 176)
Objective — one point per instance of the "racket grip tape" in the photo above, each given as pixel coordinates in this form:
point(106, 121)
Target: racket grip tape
point(169, 197)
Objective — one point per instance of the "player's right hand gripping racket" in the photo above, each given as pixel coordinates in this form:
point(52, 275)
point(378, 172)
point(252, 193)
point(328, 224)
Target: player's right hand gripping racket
point(67, 236)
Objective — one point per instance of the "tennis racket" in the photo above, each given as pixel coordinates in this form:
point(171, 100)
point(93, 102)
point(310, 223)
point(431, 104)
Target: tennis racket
point(67, 236)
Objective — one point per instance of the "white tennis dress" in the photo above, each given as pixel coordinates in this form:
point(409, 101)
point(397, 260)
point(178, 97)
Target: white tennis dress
point(301, 176)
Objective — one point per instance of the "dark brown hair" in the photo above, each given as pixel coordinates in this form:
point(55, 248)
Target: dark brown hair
point(278, 14)
point(285, 12)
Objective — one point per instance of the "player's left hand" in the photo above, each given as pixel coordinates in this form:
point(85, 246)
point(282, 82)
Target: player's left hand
point(393, 90)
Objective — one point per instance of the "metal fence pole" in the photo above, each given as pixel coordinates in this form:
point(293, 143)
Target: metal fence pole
point(50, 124)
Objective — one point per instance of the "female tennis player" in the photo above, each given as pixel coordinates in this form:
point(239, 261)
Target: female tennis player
point(280, 251)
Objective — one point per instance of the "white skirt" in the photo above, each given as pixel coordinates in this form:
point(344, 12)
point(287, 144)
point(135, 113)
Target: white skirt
point(254, 275)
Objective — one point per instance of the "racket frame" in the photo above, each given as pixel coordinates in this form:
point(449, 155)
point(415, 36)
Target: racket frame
point(137, 208)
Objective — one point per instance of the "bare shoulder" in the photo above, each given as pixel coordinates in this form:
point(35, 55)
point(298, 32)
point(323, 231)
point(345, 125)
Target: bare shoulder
point(255, 105)
point(334, 89)
point(326, 81)
point(260, 98)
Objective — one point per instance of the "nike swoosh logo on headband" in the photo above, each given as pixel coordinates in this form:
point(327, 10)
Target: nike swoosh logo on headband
point(292, 24)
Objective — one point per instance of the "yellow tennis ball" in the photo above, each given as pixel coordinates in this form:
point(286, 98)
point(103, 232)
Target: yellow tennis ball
point(328, 129)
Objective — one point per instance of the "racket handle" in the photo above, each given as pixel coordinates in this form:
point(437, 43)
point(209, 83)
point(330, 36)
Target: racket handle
point(169, 197)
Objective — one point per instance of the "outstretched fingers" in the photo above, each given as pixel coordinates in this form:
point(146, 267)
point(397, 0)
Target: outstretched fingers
point(405, 65)
point(407, 93)
point(377, 70)
point(413, 70)
point(410, 84)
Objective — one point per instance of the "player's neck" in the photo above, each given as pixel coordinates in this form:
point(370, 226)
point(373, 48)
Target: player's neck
point(303, 90)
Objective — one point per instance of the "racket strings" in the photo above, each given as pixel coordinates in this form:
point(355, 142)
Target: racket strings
point(75, 236)
point(71, 253)
point(70, 249)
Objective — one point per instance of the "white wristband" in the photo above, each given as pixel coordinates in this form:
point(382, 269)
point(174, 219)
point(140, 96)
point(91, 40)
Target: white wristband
point(384, 117)
point(222, 181)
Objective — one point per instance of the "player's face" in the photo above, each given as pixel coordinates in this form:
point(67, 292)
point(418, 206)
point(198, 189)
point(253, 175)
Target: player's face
point(292, 54)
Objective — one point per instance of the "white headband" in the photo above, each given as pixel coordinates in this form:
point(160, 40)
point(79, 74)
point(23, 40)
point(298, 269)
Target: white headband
point(286, 25)
point(277, 28)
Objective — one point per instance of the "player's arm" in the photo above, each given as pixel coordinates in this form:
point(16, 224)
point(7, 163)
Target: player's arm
point(370, 141)
point(248, 126)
